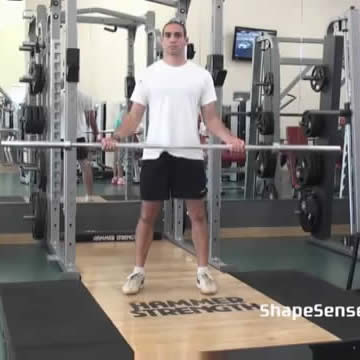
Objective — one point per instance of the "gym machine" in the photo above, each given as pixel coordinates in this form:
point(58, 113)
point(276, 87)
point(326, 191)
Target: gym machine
point(347, 27)
point(316, 191)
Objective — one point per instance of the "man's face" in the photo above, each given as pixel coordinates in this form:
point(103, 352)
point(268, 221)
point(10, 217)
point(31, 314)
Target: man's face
point(173, 40)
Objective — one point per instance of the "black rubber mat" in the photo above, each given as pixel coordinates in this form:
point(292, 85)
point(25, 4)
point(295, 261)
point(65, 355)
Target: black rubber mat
point(47, 319)
point(292, 288)
point(321, 351)
point(12, 199)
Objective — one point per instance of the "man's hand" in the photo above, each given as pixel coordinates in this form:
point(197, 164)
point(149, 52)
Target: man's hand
point(108, 144)
point(237, 145)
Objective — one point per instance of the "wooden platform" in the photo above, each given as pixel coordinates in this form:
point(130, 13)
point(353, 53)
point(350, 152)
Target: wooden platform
point(170, 319)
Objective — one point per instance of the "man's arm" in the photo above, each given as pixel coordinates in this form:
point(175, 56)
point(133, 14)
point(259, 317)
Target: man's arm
point(130, 122)
point(91, 116)
point(217, 127)
point(214, 123)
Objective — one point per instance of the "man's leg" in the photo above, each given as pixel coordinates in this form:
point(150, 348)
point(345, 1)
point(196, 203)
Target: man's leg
point(86, 170)
point(145, 230)
point(199, 229)
point(143, 239)
point(200, 236)
point(87, 176)
point(154, 188)
point(189, 183)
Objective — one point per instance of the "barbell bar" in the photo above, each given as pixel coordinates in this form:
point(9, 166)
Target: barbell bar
point(68, 145)
point(344, 113)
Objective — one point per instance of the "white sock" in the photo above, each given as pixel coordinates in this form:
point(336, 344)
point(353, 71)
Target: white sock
point(139, 269)
point(202, 269)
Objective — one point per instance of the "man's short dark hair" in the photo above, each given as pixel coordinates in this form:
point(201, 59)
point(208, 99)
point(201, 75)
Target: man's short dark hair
point(177, 22)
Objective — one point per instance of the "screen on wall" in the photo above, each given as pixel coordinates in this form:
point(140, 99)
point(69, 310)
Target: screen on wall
point(244, 41)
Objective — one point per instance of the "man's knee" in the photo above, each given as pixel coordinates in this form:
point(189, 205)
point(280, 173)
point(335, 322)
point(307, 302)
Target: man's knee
point(196, 211)
point(197, 216)
point(148, 219)
point(149, 213)
point(84, 163)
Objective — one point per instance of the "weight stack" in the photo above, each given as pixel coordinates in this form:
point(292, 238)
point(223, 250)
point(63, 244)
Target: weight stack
point(320, 191)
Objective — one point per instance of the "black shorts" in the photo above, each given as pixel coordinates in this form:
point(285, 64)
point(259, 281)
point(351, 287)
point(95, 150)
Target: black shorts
point(172, 177)
point(81, 152)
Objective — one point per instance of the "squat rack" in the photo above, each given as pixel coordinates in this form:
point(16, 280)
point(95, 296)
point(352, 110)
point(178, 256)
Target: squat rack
point(64, 252)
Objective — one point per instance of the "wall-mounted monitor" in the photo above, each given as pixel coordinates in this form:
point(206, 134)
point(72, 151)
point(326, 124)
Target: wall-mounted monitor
point(244, 38)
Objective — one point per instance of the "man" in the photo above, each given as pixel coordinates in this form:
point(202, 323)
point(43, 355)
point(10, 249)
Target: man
point(85, 118)
point(174, 89)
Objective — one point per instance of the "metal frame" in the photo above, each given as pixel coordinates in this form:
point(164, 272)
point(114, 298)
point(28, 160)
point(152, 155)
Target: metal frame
point(214, 160)
point(266, 57)
point(54, 134)
point(5, 95)
point(69, 145)
point(255, 101)
point(64, 253)
point(352, 55)
point(69, 209)
point(131, 24)
point(182, 7)
point(300, 61)
point(349, 26)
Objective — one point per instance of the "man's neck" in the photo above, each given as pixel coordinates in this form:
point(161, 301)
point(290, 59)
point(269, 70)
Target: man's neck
point(174, 60)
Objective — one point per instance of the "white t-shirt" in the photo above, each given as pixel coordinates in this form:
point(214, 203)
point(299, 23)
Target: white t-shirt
point(84, 103)
point(174, 95)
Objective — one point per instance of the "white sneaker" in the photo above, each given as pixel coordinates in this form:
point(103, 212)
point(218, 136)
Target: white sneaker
point(206, 283)
point(134, 283)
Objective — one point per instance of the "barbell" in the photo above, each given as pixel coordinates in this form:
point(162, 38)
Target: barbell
point(68, 145)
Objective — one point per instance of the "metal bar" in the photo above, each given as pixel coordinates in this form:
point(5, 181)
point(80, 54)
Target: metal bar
point(252, 133)
point(109, 131)
point(26, 79)
point(6, 96)
point(300, 40)
point(353, 263)
point(106, 21)
point(292, 99)
point(214, 159)
point(9, 130)
point(68, 145)
point(300, 61)
point(136, 19)
point(314, 112)
point(293, 83)
point(30, 44)
point(168, 218)
point(178, 220)
point(25, 48)
point(54, 113)
point(69, 174)
point(172, 3)
point(353, 54)
point(129, 156)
